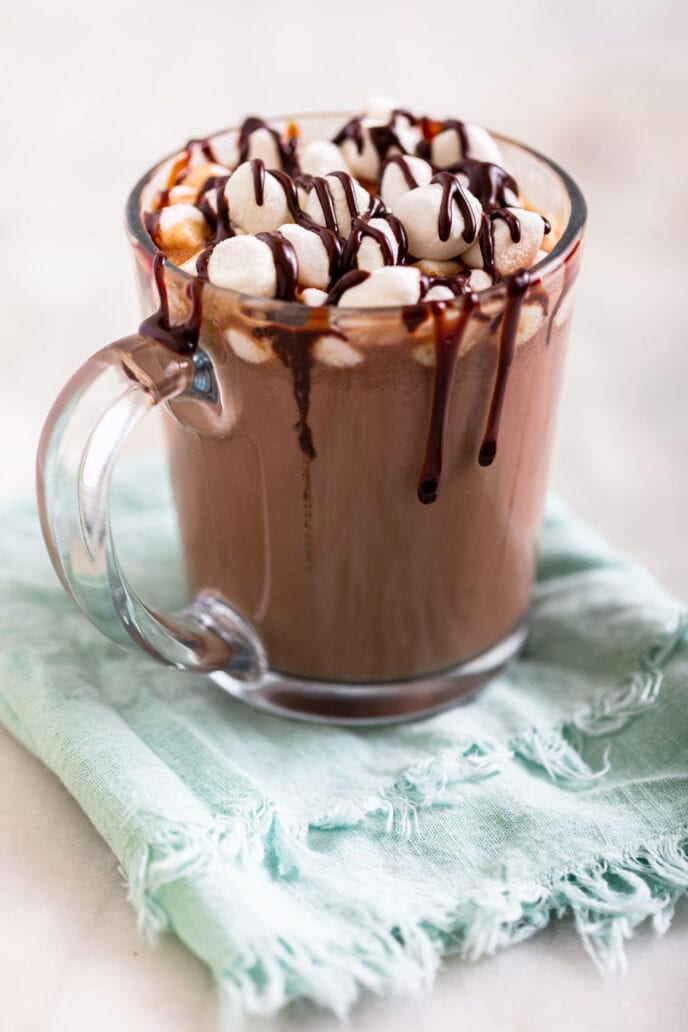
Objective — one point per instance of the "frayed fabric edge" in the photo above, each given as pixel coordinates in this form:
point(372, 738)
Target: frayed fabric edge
point(607, 898)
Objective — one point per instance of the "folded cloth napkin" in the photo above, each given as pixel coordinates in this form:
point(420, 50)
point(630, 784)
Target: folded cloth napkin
point(316, 861)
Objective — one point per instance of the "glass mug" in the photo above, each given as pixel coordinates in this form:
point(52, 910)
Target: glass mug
point(358, 490)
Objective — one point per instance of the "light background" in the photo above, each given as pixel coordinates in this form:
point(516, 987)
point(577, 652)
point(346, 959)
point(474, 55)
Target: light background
point(91, 94)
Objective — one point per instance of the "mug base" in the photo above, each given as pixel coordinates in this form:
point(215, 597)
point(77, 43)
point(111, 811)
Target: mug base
point(386, 702)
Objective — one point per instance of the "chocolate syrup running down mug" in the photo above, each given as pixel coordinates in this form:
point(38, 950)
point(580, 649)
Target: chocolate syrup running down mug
point(358, 490)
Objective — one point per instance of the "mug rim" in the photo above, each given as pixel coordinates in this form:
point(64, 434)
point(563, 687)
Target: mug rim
point(565, 246)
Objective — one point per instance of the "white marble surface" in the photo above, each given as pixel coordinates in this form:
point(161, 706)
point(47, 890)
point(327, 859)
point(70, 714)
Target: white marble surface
point(90, 96)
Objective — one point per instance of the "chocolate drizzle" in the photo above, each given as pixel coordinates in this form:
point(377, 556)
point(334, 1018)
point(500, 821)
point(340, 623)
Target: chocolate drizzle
point(346, 282)
point(431, 129)
point(488, 182)
point(400, 160)
point(486, 235)
point(286, 264)
point(183, 338)
point(447, 345)
point(258, 173)
point(452, 190)
point(516, 288)
point(362, 228)
point(384, 136)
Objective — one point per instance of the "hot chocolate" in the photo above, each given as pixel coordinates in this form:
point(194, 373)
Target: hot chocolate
point(382, 333)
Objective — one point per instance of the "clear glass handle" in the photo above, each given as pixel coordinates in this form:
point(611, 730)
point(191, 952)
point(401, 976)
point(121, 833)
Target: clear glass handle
point(82, 436)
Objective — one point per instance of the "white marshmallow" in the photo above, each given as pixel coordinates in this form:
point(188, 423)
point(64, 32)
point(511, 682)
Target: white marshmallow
point(334, 351)
point(182, 231)
point(244, 264)
point(509, 255)
point(250, 349)
point(480, 280)
point(341, 208)
point(313, 297)
point(393, 285)
point(419, 209)
point(311, 255)
point(245, 213)
point(365, 163)
point(439, 293)
point(226, 148)
point(370, 255)
point(319, 157)
point(445, 148)
point(262, 144)
point(393, 183)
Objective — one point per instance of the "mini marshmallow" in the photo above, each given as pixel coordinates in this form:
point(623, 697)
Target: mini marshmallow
point(244, 264)
point(245, 212)
point(439, 293)
point(445, 148)
point(419, 211)
point(510, 197)
point(437, 268)
point(182, 231)
point(200, 174)
point(369, 255)
point(319, 157)
point(509, 255)
point(250, 349)
point(341, 208)
point(313, 297)
point(393, 285)
point(365, 163)
point(480, 280)
point(311, 255)
point(226, 148)
point(393, 183)
point(334, 351)
point(262, 144)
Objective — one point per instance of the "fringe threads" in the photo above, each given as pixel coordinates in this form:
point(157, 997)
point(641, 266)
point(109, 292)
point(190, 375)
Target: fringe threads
point(330, 956)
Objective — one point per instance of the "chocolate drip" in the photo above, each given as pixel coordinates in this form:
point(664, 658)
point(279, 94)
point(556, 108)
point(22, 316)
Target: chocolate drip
point(486, 234)
point(349, 193)
point(324, 195)
point(383, 137)
point(346, 282)
point(447, 345)
point(402, 164)
point(452, 190)
point(486, 181)
point(362, 228)
point(183, 338)
point(516, 289)
point(295, 350)
point(286, 148)
point(286, 265)
point(458, 283)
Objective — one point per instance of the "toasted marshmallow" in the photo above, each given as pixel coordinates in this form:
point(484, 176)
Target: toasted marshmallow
point(244, 264)
point(200, 174)
point(393, 183)
point(244, 210)
point(419, 211)
point(181, 195)
point(313, 297)
point(369, 255)
point(343, 215)
point(510, 255)
point(319, 157)
point(182, 231)
point(393, 285)
point(311, 255)
point(446, 148)
point(438, 268)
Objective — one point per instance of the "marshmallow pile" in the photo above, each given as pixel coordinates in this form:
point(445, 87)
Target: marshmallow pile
point(395, 210)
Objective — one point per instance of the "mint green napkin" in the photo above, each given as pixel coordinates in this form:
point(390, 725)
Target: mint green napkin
point(304, 861)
